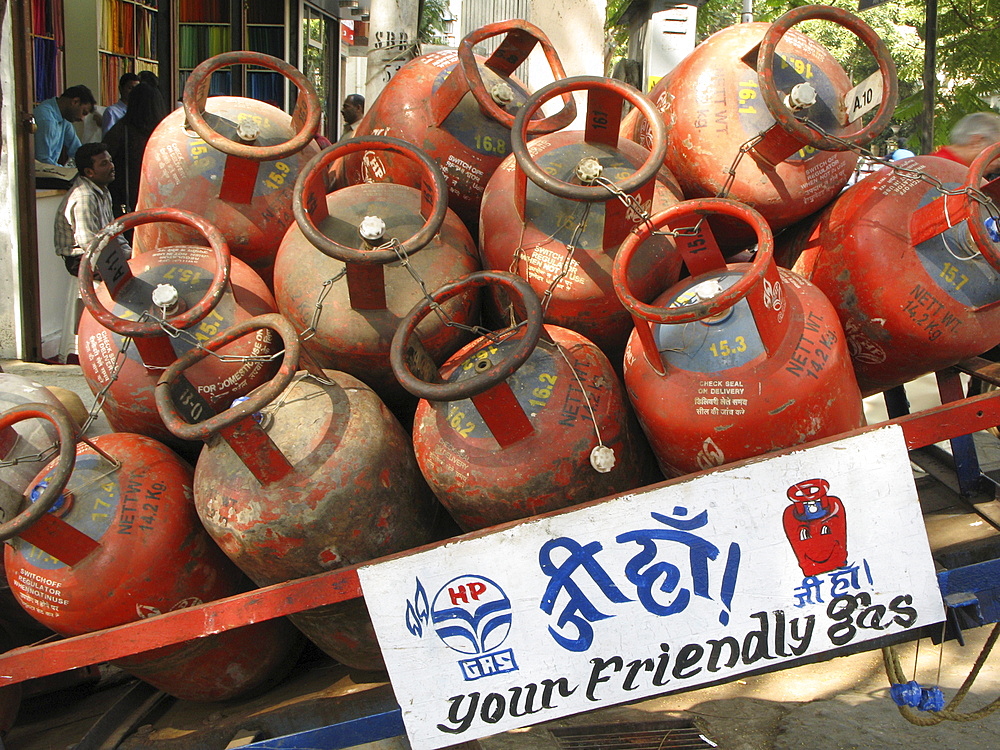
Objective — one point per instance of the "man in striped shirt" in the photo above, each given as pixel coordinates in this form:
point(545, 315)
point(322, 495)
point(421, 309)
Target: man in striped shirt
point(86, 208)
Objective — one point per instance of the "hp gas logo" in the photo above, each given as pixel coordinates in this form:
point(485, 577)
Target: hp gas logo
point(472, 615)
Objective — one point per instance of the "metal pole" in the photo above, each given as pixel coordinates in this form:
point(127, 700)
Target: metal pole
point(747, 15)
point(930, 77)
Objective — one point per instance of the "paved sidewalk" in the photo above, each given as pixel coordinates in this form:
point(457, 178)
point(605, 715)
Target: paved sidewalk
point(841, 704)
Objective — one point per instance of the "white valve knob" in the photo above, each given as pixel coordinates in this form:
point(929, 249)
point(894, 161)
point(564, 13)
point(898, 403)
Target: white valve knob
point(502, 93)
point(706, 290)
point(371, 228)
point(602, 458)
point(801, 96)
point(589, 169)
point(165, 296)
point(248, 131)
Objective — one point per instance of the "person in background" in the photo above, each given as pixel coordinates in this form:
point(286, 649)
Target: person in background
point(86, 208)
point(92, 125)
point(55, 137)
point(148, 76)
point(970, 136)
point(126, 143)
point(901, 153)
point(352, 111)
point(116, 111)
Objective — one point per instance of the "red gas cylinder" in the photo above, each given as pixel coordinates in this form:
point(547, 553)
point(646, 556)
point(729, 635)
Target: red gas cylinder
point(349, 270)
point(166, 301)
point(119, 541)
point(736, 360)
point(557, 210)
point(326, 479)
point(906, 258)
point(236, 168)
point(773, 106)
point(526, 420)
point(460, 108)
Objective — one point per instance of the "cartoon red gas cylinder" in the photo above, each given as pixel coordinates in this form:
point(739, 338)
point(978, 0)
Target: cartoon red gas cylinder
point(816, 526)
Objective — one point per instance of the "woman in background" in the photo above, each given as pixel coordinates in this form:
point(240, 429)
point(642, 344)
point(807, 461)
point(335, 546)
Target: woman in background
point(127, 142)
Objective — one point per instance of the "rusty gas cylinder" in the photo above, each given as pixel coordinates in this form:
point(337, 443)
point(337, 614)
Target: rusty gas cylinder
point(906, 258)
point(737, 359)
point(765, 115)
point(159, 304)
point(459, 108)
point(25, 448)
point(231, 159)
point(359, 258)
point(527, 420)
point(557, 210)
point(327, 478)
point(110, 536)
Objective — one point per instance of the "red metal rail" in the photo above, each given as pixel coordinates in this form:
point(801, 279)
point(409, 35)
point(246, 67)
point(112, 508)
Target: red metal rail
point(960, 416)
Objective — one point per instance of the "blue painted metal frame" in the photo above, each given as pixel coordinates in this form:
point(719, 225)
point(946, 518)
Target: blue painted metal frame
point(963, 448)
point(974, 590)
point(380, 726)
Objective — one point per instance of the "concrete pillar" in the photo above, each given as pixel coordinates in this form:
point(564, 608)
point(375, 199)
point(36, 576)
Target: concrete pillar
point(392, 40)
point(576, 29)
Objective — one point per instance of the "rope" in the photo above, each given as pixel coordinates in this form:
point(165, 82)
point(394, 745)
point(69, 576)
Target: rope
point(894, 671)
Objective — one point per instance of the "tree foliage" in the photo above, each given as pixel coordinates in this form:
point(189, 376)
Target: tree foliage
point(968, 40)
point(968, 76)
point(615, 36)
point(431, 25)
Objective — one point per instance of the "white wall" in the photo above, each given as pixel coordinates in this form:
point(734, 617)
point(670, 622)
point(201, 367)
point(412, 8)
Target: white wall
point(354, 78)
point(576, 29)
point(52, 276)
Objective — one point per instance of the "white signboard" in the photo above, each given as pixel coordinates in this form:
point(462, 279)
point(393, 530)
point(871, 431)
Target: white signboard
point(864, 97)
point(660, 591)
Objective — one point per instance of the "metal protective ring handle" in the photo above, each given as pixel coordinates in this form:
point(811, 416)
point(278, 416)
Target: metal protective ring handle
point(474, 76)
point(977, 224)
point(255, 401)
point(66, 434)
point(703, 207)
point(327, 246)
point(530, 307)
point(186, 319)
point(784, 117)
point(646, 171)
point(194, 109)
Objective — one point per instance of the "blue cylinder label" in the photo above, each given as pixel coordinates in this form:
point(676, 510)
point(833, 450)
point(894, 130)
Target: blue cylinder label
point(959, 269)
point(537, 385)
point(97, 503)
point(724, 342)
